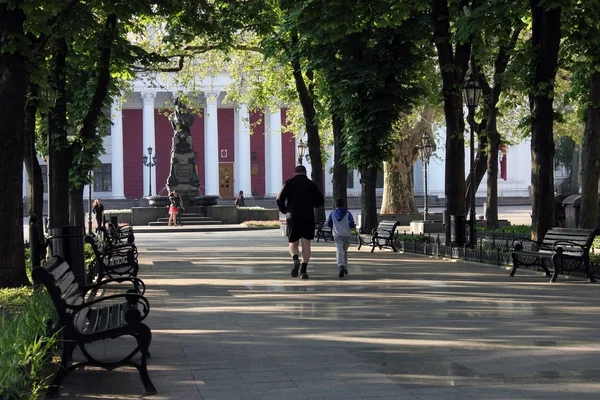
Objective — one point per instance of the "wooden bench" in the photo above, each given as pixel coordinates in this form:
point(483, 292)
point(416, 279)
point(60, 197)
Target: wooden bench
point(112, 260)
point(382, 236)
point(558, 246)
point(323, 232)
point(83, 322)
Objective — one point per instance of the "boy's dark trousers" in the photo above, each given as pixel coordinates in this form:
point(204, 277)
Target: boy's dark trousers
point(178, 219)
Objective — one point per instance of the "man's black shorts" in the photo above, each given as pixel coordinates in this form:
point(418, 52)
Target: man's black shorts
point(298, 228)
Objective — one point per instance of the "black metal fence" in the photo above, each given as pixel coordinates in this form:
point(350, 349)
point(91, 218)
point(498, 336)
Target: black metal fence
point(492, 249)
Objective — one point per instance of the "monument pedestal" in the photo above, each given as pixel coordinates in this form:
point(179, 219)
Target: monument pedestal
point(183, 176)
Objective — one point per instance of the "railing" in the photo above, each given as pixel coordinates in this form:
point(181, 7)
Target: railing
point(490, 250)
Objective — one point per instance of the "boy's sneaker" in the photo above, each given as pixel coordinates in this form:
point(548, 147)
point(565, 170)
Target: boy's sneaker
point(296, 268)
point(341, 274)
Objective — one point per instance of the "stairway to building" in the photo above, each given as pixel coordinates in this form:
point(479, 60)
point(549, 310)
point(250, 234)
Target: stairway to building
point(188, 219)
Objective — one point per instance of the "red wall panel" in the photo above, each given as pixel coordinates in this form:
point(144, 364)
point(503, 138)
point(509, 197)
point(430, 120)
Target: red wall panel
point(226, 127)
point(288, 149)
point(133, 174)
point(257, 146)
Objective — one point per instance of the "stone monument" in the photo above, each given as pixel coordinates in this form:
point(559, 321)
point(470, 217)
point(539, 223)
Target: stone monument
point(183, 176)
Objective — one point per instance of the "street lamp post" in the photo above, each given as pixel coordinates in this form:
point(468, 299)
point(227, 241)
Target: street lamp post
point(472, 92)
point(301, 150)
point(149, 162)
point(426, 149)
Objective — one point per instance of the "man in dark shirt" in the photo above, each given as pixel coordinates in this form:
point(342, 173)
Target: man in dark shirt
point(297, 199)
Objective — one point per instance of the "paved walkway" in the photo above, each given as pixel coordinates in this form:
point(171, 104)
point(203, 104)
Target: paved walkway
point(229, 322)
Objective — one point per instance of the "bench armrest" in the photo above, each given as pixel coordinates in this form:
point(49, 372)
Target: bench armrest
point(121, 251)
point(559, 250)
point(517, 244)
point(132, 299)
point(137, 283)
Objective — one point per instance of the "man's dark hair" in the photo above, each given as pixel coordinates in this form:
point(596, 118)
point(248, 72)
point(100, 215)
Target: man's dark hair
point(340, 202)
point(300, 169)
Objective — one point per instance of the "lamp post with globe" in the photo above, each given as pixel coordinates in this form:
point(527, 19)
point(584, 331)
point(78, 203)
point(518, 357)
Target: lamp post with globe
point(472, 93)
point(426, 148)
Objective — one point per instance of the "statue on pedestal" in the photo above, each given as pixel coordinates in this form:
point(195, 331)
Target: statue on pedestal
point(183, 176)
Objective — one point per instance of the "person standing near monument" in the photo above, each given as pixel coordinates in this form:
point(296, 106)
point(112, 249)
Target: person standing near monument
point(297, 199)
point(98, 209)
point(239, 200)
point(173, 208)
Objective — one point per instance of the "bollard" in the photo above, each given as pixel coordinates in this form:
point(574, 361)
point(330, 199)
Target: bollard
point(67, 242)
point(457, 230)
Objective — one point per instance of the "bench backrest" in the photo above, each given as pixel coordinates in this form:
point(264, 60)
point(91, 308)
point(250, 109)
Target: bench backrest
point(578, 237)
point(386, 228)
point(93, 241)
point(58, 278)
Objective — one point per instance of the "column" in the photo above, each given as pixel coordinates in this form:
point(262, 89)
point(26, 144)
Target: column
point(116, 137)
point(242, 167)
point(211, 145)
point(273, 162)
point(148, 138)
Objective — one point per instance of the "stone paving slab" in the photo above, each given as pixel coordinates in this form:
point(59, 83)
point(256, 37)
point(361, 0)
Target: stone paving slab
point(229, 322)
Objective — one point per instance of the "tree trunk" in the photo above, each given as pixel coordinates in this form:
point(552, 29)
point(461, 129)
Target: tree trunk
point(77, 216)
point(491, 211)
point(453, 66)
point(90, 122)
point(574, 175)
point(368, 201)
point(34, 171)
point(481, 159)
point(591, 158)
point(398, 187)
point(545, 42)
point(493, 137)
point(340, 170)
point(306, 95)
point(13, 94)
point(398, 182)
point(60, 153)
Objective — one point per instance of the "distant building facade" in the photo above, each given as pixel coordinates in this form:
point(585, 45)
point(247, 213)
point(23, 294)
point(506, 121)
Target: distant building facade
point(240, 149)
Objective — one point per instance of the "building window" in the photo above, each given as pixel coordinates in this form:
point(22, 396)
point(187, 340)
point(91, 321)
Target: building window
point(45, 177)
point(350, 180)
point(103, 178)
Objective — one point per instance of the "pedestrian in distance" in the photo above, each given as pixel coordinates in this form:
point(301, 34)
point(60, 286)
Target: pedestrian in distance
point(239, 200)
point(173, 207)
point(180, 207)
point(98, 209)
point(297, 199)
point(341, 222)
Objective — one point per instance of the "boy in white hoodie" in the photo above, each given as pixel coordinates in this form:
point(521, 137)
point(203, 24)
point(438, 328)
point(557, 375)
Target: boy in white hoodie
point(341, 222)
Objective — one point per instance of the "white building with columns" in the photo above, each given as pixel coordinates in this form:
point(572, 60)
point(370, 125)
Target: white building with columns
point(236, 149)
